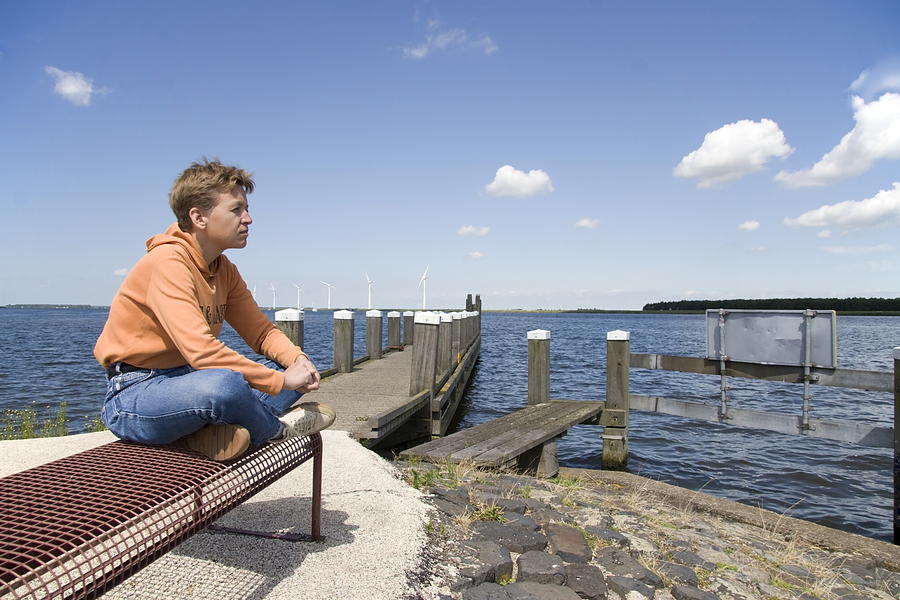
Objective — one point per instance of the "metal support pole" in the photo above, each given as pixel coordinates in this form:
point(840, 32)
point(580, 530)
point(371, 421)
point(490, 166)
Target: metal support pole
point(897, 446)
point(807, 364)
point(723, 358)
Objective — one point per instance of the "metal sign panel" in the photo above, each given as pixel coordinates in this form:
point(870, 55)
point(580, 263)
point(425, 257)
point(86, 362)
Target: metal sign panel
point(773, 337)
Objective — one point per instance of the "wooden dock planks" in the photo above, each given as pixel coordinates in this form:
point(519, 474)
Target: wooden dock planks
point(502, 440)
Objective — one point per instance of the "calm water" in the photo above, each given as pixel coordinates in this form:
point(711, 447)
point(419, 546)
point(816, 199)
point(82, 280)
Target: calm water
point(45, 358)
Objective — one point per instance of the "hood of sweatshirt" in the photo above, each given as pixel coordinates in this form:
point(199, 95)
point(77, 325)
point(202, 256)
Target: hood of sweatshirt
point(174, 235)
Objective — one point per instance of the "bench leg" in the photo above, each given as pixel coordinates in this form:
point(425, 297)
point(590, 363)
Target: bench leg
point(315, 527)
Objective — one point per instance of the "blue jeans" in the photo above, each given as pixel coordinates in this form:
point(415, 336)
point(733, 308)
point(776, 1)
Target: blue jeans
point(162, 405)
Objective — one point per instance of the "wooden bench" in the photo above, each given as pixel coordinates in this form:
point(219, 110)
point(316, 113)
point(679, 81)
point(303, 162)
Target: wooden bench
point(76, 527)
point(516, 440)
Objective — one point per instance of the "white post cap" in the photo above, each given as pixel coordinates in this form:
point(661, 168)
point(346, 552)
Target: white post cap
point(343, 314)
point(538, 334)
point(474, 313)
point(428, 318)
point(408, 313)
point(456, 315)
point(373, 313)
point(394, 314)
point(618, 336)
point(446, 317)
point(289, 314)
point(897, 353)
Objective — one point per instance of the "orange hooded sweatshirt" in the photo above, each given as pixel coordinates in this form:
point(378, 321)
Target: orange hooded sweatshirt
point(169, 312)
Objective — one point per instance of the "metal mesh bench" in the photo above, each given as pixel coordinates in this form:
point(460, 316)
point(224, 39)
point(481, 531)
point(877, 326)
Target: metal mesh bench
point(76, 527)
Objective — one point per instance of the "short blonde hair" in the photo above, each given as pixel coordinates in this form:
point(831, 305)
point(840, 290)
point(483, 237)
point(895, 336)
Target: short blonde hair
point(199, 186)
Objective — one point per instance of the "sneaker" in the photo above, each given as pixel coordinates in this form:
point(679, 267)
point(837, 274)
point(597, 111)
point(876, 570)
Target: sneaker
point(220, 442)
point(306, 418)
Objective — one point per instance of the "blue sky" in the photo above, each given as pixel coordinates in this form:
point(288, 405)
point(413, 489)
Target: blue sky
point(543, 154)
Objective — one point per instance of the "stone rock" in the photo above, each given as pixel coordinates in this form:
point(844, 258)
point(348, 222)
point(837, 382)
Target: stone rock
point(454, 502)
point(798, 574)
point(678, 573)
point(622, 564)
point(486, 591)
point(689, 592)
point(587, 581)
point(568, 543)
point(516, 505)
point(516, 539)
point(548, 515)
point(692, 559)
point(628, 588)
point(609, 535)
point(530, 590)
point(541, 567)
point(513, 518)
point(483, 562)
point(535, 504)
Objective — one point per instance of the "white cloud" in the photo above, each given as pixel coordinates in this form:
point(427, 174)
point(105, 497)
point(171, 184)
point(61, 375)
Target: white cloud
point(475, 255)
point(824, 234)
point(883, 206)
point(439, 39)
point(734, 150)
point(876, 135)
point(587, 223)
point(858, 249)
point(759, 249)
point(749, 226)
point(120, 272)
point(472, 230)
point(883, 77)
point(509, 181)
point(75, 87)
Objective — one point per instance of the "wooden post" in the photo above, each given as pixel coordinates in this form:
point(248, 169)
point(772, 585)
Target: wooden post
point(290, 322)
point(614, 417)
point(408, 327)
point(343, 341)
point(424, 359)
point(477, 310)
point(538, 393)
point(374, 330)
point(393, 329)
point(538, 366)
point(444, 359)
point(469, 304)
point(455, 338)
point(897, 445)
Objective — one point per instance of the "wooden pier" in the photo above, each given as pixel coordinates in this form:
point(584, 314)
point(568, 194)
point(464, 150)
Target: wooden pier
point(515, 440)
point(403, 392)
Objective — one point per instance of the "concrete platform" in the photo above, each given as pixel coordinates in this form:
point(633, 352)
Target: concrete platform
point(366, 509)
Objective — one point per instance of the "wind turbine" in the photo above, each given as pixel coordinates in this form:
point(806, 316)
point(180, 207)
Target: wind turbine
point(272, 285)
point(422, 285)
point(299, 289)
point(330, 287)
point(370, 282)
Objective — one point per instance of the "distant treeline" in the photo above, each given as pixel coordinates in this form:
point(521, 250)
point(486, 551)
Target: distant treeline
point(838, 304)
point(51, 306)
